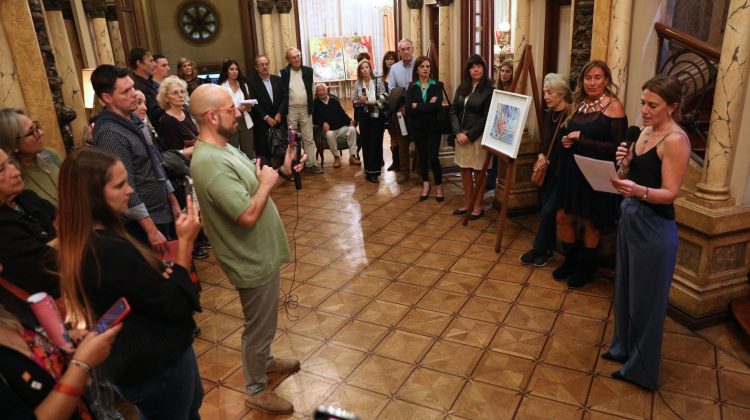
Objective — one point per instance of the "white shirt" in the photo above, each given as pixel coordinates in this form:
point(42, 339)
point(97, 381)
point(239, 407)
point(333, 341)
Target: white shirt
point(237, 97)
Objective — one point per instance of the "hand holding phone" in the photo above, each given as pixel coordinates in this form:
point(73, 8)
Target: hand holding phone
point(114, 315)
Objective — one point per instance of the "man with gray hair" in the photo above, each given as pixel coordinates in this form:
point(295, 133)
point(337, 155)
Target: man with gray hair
point(297, 102)
point(330, 116)
point(399, 78)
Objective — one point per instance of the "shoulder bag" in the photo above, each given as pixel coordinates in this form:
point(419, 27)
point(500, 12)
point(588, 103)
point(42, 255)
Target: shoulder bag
point(539, 174)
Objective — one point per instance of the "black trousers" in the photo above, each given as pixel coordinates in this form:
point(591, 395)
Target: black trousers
point(371, 135)
point(427, 141)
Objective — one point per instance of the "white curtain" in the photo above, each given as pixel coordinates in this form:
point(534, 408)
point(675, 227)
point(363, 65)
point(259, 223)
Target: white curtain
point(344, 17)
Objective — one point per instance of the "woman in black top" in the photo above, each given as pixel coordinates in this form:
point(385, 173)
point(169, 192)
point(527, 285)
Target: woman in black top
point(595, 125)
point(177, 131)
point(468, 113)
point(557, 98)
point(152, 363)
point(650, 178)
point(187, 70)
point(27, 237)
point(424, 98)
point(369, 97)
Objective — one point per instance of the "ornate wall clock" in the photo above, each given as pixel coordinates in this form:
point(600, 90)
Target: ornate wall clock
point(198, 22)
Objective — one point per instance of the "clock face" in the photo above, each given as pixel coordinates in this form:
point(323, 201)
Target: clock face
point(198, 22)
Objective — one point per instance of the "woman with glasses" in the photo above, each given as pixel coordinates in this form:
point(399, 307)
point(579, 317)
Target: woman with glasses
point(21, 138)
point(177, 131)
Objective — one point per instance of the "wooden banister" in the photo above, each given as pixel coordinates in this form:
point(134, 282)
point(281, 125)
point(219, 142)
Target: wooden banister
point(687, 40)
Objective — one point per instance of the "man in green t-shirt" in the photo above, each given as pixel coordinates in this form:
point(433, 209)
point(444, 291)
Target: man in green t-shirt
point(247, 235)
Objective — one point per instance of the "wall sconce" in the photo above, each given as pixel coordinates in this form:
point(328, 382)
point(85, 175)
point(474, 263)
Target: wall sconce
point(88, 89)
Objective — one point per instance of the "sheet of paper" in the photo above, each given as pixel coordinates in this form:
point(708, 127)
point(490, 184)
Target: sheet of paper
point(598, 173)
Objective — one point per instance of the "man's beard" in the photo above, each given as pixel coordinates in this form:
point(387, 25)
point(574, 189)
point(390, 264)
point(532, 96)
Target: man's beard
point(227, 132)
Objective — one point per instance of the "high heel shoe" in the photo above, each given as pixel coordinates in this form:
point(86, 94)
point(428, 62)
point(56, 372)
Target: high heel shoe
point(424, 197)
point(476, 216)
point(439, 199)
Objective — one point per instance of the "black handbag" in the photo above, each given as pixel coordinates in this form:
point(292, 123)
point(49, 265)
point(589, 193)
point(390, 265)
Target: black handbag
point(444, 120)
point(277, 140)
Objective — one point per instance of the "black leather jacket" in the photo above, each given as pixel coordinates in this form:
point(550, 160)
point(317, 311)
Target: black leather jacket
point(470, 118)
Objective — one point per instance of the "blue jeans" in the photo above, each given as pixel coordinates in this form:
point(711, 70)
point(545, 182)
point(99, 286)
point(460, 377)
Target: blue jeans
point(546, 234)
point(175, 393)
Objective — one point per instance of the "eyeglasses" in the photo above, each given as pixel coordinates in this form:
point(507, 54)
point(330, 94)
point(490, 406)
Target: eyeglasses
point(181, 92)
point(230, 109)
point(36, 127)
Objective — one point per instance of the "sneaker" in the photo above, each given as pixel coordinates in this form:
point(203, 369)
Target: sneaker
point(282, 366)
point(542, 259)
point(354, 160)
point(268, 402)
point(314, 169)
point(530, 256)
point(336, 162)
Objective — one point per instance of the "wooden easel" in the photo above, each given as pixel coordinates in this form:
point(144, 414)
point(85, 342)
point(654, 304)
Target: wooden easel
point(526, 68)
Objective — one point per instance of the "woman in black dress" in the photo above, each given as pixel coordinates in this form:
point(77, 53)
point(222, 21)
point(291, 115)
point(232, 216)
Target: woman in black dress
point(369, 97)
point(424, 98)
point(595, 125)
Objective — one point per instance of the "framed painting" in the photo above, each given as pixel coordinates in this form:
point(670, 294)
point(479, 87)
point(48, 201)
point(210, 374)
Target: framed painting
point(327, 58)
point(505, 122)
point(353, 46)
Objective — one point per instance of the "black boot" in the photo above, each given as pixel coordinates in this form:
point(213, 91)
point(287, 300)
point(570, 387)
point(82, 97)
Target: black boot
point(585, 269)
point(395, 166)
point(568, 267)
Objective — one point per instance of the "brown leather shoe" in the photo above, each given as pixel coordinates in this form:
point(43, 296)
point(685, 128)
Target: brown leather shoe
point(336, 162)
point(354, 160)
point(268, 402)
point(403, 177)
point(282, 366)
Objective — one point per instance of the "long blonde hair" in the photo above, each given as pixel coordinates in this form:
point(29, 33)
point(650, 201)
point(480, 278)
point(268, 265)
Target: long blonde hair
point(82, 205)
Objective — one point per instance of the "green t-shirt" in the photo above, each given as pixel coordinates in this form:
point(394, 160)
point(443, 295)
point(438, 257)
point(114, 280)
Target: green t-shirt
point(225, 182)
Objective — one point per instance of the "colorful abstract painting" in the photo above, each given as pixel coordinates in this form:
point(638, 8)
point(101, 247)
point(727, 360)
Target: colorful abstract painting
point(353, 46)
point(503, 130)
point(506, 119)
point(327, 59)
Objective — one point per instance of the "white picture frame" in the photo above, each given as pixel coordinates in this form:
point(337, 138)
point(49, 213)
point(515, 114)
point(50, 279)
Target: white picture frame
point(505, 122)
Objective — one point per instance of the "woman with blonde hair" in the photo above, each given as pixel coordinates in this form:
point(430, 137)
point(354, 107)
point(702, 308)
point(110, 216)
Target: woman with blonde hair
point(187, 70)
point(557, 97)
point(22, 139)
point(177, 131)
point(152, 363)
point(369, 98)
point(595, 124)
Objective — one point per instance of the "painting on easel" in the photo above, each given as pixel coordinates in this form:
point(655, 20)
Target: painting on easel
point(506, 121)
point(327, 58)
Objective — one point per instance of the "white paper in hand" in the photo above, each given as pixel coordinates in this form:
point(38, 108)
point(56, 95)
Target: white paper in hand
point(402, 124)
point(598, 173)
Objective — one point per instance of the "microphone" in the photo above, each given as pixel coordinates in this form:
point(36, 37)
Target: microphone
point(631, 135)
point(296, 153)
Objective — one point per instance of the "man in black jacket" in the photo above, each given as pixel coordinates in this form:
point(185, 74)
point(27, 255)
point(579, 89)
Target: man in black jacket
point(335, 123)
point(142, 66)
point(297, 103)
point(266, 88)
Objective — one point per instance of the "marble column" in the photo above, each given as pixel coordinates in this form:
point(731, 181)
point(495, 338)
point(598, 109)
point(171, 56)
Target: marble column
point(600, 29)
point(284, 7)
point(727, 107)
point(96, 10)
point(618, 50)
point(415, 25)
point(10, 90)
point(19, 31)
point(265, 8)
point(444, 43)
point(113, 25)
point(75, 46)
point(520, 33)
point(71, 89)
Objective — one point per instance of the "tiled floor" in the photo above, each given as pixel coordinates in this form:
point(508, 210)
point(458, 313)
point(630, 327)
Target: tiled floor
point(403, 314)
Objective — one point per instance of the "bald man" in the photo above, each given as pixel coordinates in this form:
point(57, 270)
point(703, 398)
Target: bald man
point(247, 235)
point(297, 102)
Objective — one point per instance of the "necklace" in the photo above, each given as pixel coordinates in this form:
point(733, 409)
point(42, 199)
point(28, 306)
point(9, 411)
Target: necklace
point(560, 114)
point(584, 109)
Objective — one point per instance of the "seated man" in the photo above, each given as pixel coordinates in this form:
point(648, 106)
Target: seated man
point(331, 117)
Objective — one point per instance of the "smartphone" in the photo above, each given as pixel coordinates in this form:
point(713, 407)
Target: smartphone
point(114, 315)
point(190, 191)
